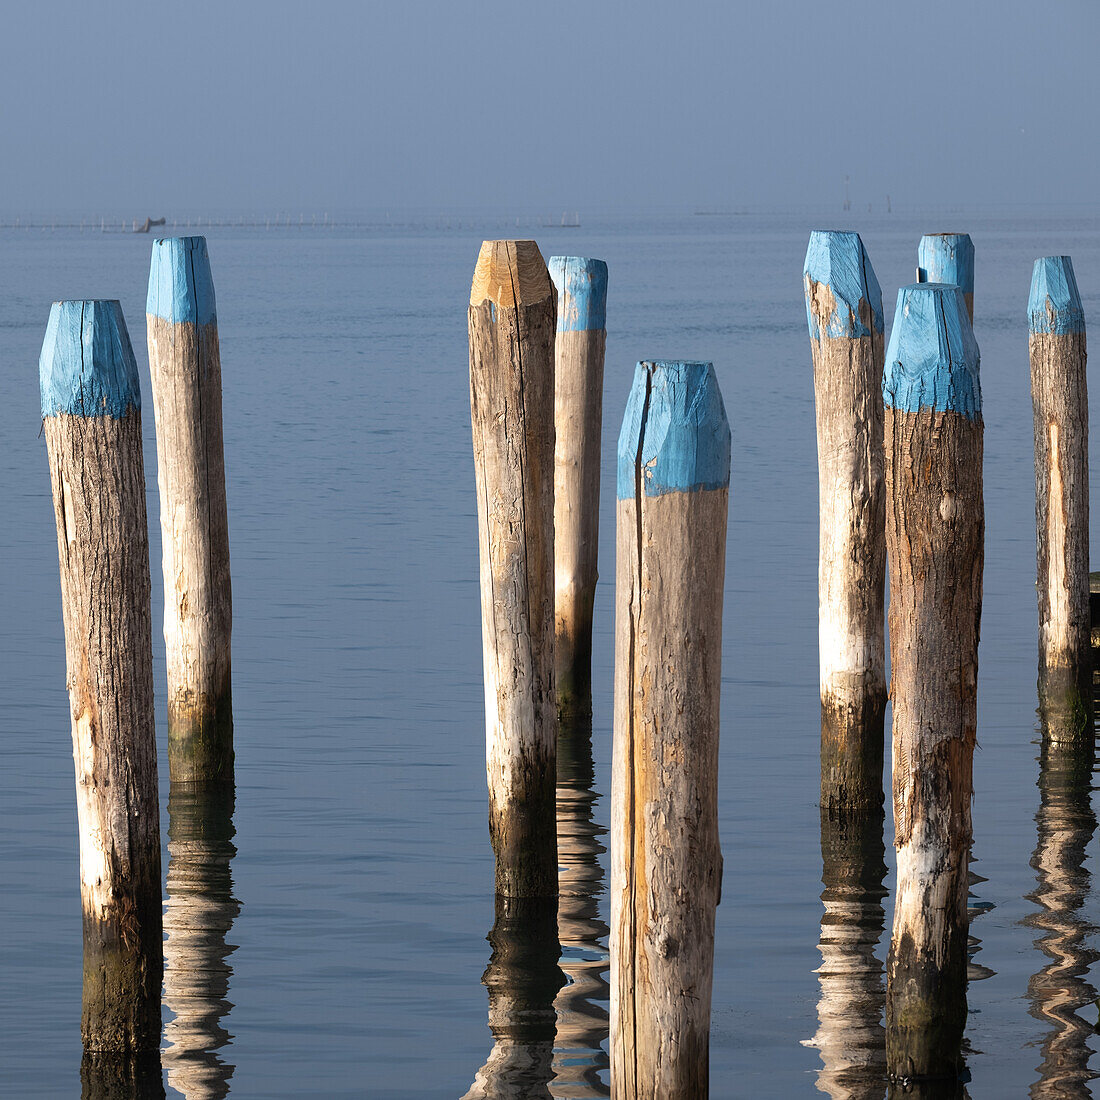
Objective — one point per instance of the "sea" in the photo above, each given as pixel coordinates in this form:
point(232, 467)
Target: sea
point(334, 923)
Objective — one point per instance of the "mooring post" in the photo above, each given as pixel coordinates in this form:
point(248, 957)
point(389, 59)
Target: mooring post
point(935, 541)
point(511, 327)
point(186, 374)
point(844, 312)
point(581, 286)
point(91, 411)
point(948, 258)
point(1059, 396)
point(666, 863)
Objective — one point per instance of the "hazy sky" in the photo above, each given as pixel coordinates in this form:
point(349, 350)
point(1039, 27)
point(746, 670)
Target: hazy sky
point(247, 105)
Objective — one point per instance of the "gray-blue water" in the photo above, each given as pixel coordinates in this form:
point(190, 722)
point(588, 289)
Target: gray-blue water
point(359, 897)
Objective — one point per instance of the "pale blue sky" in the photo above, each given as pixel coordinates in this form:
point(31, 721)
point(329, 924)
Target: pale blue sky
point(242, 105)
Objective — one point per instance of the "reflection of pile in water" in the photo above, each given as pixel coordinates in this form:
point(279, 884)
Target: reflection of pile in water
point(549, 1028)
point(579, 1054)
point(1065, 825)
point(522, 978)
point(850, 1035)
point(975, 908)
point(938, 1089)
point(198, 916)
point(108, 1076)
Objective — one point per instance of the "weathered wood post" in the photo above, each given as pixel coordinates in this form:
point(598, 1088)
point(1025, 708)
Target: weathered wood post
point(581, 286)
point(185, 369)
point(1059, 396)
point(948, 258)
point(91, 411)
point(844, 312)
point(666, 864)
point(935, 540)
point(511, 324)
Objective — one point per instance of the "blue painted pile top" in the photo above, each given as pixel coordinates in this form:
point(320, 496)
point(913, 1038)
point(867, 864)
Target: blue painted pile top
point(180, 286)
point(582, 293)
point(675, 424)
point(839, 261)
point(946, 258)
point(1054, 305)
point(932, 360)
point(87, 365)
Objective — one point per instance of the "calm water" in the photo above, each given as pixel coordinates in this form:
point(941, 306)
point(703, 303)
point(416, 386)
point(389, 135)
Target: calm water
point(346, 904)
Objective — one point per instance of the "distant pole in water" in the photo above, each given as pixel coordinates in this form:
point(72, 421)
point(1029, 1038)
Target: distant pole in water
point(578, 417)
point(1059, 396)
point(91, 411)
point(935, 526)
point(844, 312)
point(186, 374)
point(511, 328)
point(666, 863)
point(948, 258)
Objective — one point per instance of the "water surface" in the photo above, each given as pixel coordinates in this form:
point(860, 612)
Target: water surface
point(352, 889)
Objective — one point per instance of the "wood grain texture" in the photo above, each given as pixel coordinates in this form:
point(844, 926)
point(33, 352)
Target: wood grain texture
point(99, 504)
point(512, 413)
point(510, 274)
point(578, 420)
point(185, 369)
point(666, 863)
point(935, 537)
point(1060, 404)
point(852, 560)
